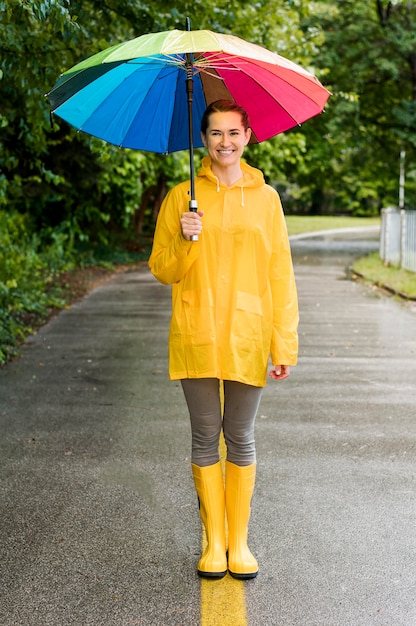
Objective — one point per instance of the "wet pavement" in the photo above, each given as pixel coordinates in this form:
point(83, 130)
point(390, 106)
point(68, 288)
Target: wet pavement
point(98, 517)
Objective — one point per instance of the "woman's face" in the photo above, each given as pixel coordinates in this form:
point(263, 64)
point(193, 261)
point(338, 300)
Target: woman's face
point(226, 138)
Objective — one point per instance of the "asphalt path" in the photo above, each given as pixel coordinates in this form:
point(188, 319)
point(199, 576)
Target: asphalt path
point(98, 517)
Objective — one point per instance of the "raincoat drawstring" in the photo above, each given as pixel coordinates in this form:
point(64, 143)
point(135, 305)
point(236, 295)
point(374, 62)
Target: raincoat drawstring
point(242, 190)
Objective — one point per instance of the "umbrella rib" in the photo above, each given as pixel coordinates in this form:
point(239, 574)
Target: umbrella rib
point(205, 71)
point(200, 63)
point(162, 61)
point(198, 69)
point(217, 62)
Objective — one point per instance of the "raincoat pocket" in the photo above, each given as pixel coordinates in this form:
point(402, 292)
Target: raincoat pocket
point(249, 302)
point(248, 317)
point(197, 324)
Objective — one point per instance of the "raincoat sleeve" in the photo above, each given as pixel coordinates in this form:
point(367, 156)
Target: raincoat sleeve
point(172, 255)
point(284, 344)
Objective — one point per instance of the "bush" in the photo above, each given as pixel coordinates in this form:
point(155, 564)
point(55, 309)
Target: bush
point(29, 264)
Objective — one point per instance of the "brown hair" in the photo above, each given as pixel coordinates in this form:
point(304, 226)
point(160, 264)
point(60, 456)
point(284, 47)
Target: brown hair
point(224, 106)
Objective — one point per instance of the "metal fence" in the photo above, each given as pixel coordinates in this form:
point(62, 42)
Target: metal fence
point(408, 261)
point(398, 238)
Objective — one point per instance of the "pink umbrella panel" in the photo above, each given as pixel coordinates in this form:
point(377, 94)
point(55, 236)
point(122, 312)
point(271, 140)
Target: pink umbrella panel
point(276, 98)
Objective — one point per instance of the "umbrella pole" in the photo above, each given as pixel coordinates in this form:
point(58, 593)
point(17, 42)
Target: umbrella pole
point(193, 203)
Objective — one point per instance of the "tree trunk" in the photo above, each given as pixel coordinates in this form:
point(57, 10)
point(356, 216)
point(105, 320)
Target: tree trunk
point(138, 217)
point(161, 191)
point(383, 11)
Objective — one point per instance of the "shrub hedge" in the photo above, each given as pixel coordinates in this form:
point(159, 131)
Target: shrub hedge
point(29, 265)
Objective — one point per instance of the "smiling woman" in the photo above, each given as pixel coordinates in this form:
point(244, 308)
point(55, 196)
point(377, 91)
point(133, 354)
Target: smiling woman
point(225, 135)
point(234, 305)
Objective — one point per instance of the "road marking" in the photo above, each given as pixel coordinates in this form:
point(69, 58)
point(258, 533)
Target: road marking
point(222, 601)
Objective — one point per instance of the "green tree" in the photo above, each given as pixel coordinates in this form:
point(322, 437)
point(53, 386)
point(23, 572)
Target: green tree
point(369, 61)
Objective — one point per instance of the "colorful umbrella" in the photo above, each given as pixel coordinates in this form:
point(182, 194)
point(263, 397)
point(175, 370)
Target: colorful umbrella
point(150, 93)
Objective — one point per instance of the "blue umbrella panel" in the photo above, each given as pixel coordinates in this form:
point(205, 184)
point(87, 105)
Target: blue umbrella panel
point(140, 104)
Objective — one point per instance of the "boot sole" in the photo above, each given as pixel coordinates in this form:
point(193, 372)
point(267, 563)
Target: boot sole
point(211, 574)
point(243, 576)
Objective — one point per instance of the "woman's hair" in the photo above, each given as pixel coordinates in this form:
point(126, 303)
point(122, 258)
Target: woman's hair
point(224, 106)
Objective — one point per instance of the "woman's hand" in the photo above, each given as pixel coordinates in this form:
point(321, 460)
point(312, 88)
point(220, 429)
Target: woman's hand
point(191, 223)
point(280, 372)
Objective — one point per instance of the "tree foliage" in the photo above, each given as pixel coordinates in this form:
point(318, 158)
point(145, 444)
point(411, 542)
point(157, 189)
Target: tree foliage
point(368, 58)
point(346, 160)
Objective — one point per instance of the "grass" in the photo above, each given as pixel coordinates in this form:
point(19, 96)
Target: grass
point(298, 224)
point(371, 268)
point(397, 280)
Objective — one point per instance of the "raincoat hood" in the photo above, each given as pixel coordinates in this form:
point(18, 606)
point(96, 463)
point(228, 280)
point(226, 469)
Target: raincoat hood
point(252, 177)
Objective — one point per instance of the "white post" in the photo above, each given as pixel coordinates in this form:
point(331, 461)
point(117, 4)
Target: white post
point(402, 178)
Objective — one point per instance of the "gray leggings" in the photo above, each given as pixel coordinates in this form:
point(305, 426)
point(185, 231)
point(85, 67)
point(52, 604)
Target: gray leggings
point(241, 402)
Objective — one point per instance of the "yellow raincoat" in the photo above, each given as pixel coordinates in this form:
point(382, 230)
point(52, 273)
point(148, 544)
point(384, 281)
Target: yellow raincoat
point(234, 299)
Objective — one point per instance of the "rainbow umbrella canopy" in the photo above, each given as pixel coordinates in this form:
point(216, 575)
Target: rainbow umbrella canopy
point(150, 93)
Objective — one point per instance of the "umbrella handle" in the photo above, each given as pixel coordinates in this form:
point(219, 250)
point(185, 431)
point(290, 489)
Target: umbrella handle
point(193, 206)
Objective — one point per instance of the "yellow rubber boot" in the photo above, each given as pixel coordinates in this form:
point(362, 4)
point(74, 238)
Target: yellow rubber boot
point(209, 485)
point(239, 486)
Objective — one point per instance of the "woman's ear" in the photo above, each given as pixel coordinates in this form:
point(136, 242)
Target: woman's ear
point(204, 139)
point(248, 136)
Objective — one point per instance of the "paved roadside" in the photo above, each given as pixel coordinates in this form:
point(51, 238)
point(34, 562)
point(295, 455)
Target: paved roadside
point(98, 516)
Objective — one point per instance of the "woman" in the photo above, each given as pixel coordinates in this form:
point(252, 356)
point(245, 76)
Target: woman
point(234, 304)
